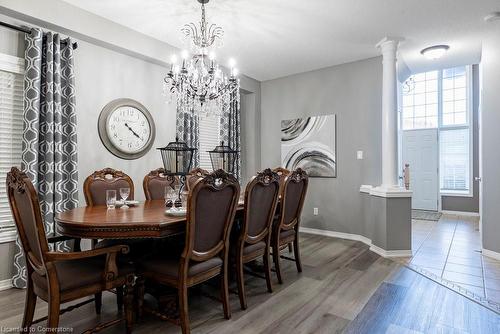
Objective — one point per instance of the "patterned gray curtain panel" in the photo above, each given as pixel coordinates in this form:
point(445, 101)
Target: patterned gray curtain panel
point(188, 131)
point(49, 137)
point(230, 129)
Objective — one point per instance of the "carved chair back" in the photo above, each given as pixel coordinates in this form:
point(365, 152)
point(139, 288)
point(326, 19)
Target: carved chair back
point(211, 209)
point(194, 175)
point(25, 209)
point(261, 198)
point(293, 194)
point(155, 182)
point(96, 184)
point(282, 173)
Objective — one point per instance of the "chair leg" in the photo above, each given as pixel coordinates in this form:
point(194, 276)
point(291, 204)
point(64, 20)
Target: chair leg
point(140, 290)
point(267, 268)
point(129, 303)
point(183, 309)
point(29, 307)
point(225, 292)
point(296, 254)
point(241, 281)
point(119, 297)
point(290, 248)
point(98, 302)
point(54, 307)
point(276, 259)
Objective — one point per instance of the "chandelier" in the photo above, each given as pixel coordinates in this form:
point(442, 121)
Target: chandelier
point(198, 84)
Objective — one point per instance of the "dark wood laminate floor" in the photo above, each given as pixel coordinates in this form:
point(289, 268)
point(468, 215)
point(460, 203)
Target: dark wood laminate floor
point(344, 288)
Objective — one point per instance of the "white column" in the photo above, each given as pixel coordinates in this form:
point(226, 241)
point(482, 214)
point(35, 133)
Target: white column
point(388, 47)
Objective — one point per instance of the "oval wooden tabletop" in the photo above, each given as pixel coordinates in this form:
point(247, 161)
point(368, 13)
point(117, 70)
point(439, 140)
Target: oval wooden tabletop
point(145, 220)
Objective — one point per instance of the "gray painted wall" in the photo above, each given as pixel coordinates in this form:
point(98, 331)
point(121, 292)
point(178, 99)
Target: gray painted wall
point(490, 140)
point(469, 204)
point(353, 92)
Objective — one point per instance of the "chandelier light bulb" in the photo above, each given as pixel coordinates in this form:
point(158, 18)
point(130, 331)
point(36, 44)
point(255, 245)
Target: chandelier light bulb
point(184, 54)
point(173, 59)
point(235, 72)
point(211, 55)
point(232, 62)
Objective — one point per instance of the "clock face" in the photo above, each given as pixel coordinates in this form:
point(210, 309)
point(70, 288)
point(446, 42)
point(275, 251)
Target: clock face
point(128, 129)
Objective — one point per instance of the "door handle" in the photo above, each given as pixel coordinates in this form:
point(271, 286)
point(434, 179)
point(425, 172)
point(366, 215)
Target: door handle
point(478, 179)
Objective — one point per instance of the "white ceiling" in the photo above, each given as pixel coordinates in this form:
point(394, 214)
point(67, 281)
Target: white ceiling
point(275, 38)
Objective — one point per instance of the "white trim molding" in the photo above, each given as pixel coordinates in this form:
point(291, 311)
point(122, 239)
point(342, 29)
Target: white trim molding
point(5, 284)
point(386, 192)
point(356, 237)
point(491, 254)
point(12, 64)
point(460, 213)
point(390, 253)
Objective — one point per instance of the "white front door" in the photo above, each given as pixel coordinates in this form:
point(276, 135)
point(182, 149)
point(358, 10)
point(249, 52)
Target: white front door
point(420, 150)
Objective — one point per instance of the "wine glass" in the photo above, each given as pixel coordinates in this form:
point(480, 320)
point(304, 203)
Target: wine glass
point(124, 193)
point(184, 197)
point(111, 198)
point(169, 196)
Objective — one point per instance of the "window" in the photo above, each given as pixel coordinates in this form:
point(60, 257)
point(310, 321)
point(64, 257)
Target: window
point(209, 138)
point(454, 151)
point(441, 99)
point(420, 103)
point(11, 132)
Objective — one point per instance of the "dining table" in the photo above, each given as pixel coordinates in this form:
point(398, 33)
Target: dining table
point(147, 219)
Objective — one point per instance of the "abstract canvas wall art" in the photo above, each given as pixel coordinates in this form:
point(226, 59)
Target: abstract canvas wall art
point(310, 143)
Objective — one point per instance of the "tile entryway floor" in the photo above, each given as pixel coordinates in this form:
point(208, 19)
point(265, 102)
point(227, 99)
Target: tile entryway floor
point(451, 249)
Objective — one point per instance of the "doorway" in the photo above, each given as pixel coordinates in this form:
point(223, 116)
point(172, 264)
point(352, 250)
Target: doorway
point(421, 152)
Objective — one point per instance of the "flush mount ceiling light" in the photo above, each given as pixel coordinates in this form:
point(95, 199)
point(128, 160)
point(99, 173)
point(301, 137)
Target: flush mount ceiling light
point(494, 16)
point(435, 52)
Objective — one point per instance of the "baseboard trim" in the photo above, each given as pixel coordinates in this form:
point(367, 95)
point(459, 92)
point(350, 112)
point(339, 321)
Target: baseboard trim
point(460, 213)
point(5, 284)
point(390, 253)
point(357, 237)
point(489, 253)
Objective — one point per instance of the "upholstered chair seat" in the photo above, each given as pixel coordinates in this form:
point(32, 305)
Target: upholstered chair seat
point(78, 273)
point(169, 266)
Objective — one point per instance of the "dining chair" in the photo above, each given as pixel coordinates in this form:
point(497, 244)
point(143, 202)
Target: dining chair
point(96, 184)
point(155, 182)
point(211, 208)
point(286, 227)
point(94, 190)
point(261, 198)
point(194, 175)
point(60, 277)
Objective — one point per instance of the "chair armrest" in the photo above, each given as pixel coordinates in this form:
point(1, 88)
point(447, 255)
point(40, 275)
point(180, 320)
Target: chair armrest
point(68, 256)
point(110, 272)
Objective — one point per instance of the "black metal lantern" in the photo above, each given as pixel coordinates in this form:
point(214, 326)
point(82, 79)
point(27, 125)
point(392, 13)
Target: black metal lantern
point(223, 157)
point(177, 158)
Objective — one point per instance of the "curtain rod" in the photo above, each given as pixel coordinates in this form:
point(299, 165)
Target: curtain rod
point(27, 31)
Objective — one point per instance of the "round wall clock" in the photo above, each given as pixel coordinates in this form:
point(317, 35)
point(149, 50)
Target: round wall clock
point(126, 128)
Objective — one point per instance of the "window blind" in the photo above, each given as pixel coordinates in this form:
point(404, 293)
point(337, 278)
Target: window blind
point(209, 138)
point(11, 132)
point(455, 167)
